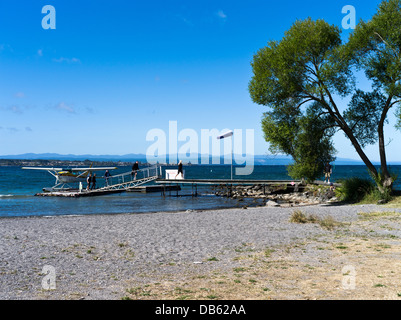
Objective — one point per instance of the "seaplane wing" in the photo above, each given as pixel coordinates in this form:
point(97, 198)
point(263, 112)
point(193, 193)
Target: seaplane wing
point(43, 168)
point(93, 169)
point(70, 169)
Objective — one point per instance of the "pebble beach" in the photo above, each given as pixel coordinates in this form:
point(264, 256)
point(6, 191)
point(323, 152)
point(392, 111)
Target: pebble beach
point(102, 256)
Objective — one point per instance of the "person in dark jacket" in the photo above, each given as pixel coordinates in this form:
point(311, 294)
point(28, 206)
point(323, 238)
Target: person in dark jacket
point(107, 175)
point(135, 168)
point(180, 169)
point(327, 172)
point(93, 181)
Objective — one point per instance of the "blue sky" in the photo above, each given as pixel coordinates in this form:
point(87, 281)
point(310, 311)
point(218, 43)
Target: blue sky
point(113, 70)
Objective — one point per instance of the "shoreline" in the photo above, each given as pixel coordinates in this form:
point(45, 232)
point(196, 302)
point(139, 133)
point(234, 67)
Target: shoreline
point(110, 256)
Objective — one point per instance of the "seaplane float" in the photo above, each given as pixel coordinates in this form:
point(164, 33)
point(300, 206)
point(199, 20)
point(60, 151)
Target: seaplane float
point(66, 176)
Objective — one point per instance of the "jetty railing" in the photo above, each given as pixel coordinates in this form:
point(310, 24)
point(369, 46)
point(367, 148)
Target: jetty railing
point(132, 179)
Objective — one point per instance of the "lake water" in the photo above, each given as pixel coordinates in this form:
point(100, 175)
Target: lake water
point(18, 187)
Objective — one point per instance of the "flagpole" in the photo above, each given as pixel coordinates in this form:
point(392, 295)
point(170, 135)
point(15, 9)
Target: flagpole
point(226, 135)
point(231, 158)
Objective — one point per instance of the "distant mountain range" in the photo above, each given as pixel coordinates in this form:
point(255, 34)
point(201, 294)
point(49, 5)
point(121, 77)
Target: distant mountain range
point(258, 159)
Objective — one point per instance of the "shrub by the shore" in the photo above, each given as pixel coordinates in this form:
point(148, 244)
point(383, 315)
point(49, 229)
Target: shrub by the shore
point(357, 189)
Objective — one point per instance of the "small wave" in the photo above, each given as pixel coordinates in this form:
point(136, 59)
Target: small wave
point(8, 196)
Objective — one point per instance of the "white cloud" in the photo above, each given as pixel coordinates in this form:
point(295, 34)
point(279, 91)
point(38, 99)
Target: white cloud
point(40, 53)
point(64, 107)
point(20, 95)
point(221, 15)
point(15, 109)
point(67, 60)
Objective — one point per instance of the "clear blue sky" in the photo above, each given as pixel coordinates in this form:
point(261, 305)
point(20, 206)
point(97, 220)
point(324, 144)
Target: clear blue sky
point(113, 70)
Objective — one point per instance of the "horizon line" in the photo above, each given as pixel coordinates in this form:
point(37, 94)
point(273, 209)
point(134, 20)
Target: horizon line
point(267, 156)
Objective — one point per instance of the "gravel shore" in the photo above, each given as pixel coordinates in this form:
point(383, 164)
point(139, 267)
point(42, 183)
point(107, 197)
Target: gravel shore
point(101, 256)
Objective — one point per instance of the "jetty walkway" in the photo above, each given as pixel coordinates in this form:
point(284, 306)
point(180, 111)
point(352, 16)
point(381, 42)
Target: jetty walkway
point(139, 182)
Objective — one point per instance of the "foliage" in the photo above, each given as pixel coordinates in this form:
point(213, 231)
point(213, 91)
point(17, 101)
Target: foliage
point(375, 47)
point(363, 115)
point(313, 147)
point(303, 137)
point(298, 78)
point(378, 194)
point(355, 189)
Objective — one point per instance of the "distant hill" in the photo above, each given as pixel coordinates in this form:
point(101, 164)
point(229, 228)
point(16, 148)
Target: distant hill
point(258, 159)
point(56, 156)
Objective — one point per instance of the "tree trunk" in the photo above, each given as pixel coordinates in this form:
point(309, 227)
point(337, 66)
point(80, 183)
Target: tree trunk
point(360, 152)
point(386, 181)
point(347, 130)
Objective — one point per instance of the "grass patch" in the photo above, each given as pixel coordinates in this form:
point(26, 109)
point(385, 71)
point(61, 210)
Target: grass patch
point(298, 216)
point(377, 215)
point(395, 202)
point(212, 259)
point(268, 252)
point(327, 222)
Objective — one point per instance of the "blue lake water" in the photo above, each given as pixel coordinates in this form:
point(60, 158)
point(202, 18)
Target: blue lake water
point(18, 187)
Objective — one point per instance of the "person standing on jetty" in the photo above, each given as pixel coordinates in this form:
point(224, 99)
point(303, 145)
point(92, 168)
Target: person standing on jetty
point(107, 175)
point(93, 181)
point(327, 172)
point(135, 168)
point(88, 181)
point(180, 170)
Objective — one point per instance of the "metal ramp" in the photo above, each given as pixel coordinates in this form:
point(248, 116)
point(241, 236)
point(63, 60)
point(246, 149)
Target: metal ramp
point(131, 180)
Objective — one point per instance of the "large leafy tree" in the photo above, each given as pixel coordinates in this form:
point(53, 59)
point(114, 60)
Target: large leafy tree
point(301, 77)
point(375, 48)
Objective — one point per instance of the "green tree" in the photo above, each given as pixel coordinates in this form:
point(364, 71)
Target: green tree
point(301, 77)
point(375, 48)
point(307, 138)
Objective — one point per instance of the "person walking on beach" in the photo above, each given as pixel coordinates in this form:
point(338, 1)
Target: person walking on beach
point(179, 169)
point(135, 168)
point(93, 181)
point(88, 181)
point(107, 175)
point(327, 172)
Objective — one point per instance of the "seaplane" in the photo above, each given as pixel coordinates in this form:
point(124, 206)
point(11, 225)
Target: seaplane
point(64, 176)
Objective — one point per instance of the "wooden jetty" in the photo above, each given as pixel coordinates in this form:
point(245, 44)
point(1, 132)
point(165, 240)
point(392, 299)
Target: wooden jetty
point(127, 182)
point(154, 188)
point(75, 193)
